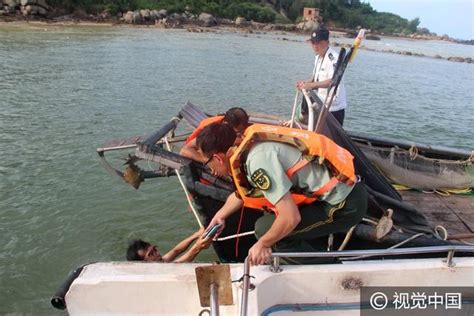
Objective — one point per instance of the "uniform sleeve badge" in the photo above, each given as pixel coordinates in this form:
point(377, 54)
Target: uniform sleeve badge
point(261, 179)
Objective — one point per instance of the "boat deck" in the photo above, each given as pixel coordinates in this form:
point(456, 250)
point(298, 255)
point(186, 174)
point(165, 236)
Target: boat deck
point(454, 212)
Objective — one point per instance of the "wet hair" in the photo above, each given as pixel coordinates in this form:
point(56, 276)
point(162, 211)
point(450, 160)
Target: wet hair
point(216, 138)
point(134, 249)
point(236, 117)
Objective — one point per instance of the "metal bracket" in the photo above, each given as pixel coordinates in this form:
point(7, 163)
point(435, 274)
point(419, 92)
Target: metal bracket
point(275, 266)
point(449, 259)
point(214, 278)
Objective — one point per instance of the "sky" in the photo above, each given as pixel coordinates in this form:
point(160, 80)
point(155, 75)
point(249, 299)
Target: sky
point(452, 17)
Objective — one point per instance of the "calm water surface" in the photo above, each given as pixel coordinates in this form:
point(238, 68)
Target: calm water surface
point(64, 91)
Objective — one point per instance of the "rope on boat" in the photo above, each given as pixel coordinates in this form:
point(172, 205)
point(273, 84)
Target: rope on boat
point(293, 112)
point(346, 240)
point(400, 187)
point(235, 236)
point(394, 246)
point(444, 192)
point(445, 235)
point(447, 192)
point(368, 220)
point(299, 125)
point(413, 151)
point(351, 231)
point(188, 198)
point(460, 191)
point(439, 228)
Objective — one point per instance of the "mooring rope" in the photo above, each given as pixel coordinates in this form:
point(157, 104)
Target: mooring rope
point(445, 235)
point(188, 198)
point(392, 247)
point(196, 215)
point(293, 112)
point(413, 151)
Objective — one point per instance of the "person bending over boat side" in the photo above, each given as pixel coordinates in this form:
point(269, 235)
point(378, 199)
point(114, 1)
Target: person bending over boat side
point(295, 218)
point(324, 65)
point(236, 117)
point(140, 250)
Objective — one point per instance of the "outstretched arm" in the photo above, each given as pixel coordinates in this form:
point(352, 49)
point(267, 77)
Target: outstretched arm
point(200, 245)
point(182, 246)
point(231, 205)
point(190, 150)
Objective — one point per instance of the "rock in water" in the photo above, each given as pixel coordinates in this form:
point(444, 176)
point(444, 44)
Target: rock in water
point(128, 17)
point(40, 3)
point(145, 14)
point(137, 18)
point(308, 25)
point(207, 19)
point(163, 13)
point(11, 3)
point(456, 59)
point(240, 21)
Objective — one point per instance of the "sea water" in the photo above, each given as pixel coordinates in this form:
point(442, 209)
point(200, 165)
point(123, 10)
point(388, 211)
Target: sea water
point(66, 90)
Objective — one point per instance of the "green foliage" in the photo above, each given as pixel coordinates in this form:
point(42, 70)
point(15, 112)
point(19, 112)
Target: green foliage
point(145, 4)
point(212, 8)
point(413, 25)
point(94, 7)
point(352, 19)
point(423, 31)
point(365, 8)
point(343, 13)
point(334, 12)
point(299, 19)
point(280, 19)
point(250, 11)
point(295, 9)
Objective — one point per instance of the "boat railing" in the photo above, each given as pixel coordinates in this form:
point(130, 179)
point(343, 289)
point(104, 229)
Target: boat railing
point(275, 266)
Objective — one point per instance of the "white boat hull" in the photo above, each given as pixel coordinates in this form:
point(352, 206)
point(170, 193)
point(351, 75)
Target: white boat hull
point(124, 288)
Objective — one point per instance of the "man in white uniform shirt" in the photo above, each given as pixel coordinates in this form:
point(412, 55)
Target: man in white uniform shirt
point(324, 65)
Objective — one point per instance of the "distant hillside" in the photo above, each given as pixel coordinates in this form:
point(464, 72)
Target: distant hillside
point(338, 13)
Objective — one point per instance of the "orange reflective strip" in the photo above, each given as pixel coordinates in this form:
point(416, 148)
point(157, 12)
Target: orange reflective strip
point(327, 187)
point(296, 167)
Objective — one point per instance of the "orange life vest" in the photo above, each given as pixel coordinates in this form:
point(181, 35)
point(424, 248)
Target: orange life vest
point(205, 122)
point(314, 147)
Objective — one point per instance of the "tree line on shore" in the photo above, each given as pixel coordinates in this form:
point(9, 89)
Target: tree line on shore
point(337, 13)
point(345, 14)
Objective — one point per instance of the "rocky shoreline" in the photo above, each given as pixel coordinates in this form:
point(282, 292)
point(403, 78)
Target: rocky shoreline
point(37, 11)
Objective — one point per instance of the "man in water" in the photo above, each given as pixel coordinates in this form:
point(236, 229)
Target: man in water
point(140, 250)
point(324, 65)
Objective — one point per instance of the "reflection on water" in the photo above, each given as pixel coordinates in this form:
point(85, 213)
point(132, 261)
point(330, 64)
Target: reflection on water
point(64, 91)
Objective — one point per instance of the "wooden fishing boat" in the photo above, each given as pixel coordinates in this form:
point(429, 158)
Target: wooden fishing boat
point(400, 237)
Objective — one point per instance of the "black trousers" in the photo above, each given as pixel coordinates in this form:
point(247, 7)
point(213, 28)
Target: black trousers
point(318, 220)
point(339, 116)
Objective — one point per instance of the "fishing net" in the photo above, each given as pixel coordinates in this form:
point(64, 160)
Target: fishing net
point(410, 169)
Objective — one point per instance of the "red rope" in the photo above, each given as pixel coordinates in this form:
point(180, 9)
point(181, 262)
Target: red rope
point(238, 232)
